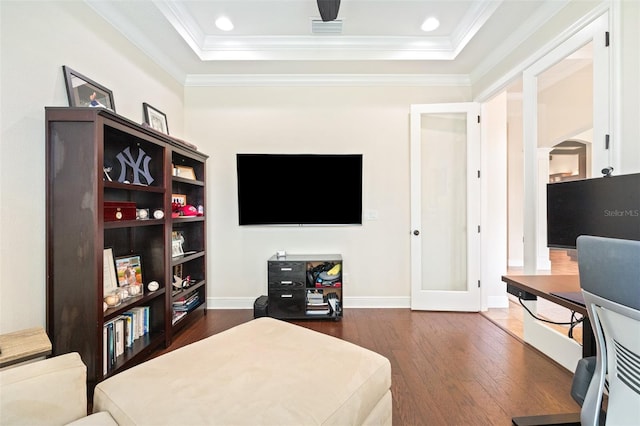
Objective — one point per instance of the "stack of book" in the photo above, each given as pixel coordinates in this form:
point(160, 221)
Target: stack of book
point(121, 332)
point(316, 303)
point(183, 305)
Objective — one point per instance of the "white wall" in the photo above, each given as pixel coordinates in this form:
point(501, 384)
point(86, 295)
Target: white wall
point(627, 142)
point(565, 109)
point(37, 38)
point(373, 121)
point(515, 181)
point(494, 202)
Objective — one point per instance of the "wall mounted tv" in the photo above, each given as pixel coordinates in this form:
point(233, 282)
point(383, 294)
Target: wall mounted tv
point(299, 189)
point(605, 207)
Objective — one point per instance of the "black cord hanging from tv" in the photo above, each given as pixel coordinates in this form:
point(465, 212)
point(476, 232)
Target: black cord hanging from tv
point(328, 9)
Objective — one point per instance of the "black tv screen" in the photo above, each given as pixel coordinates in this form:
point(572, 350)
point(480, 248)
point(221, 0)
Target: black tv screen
point(299, 189)
point(604, 207)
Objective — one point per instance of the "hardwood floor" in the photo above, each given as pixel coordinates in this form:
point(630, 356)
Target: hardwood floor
point(447, 368)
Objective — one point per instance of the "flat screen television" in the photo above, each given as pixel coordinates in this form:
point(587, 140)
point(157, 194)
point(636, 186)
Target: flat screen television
point(604, 207)
point(299, 189)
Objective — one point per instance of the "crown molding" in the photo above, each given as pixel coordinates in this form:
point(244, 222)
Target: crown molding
point(222, 80)
point(472, 22)
point(220, 48)
point(524, 31)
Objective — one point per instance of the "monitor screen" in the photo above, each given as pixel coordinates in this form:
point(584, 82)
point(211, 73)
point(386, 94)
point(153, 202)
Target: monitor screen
point(299, 189)
point(604, 207)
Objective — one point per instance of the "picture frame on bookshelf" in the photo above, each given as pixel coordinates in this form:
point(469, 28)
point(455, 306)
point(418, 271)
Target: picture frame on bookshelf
point(129, 272)
point(179, 199)
point(110, 278)
point(155, 118)
point(177, 242)
point(84, 92)
point(185, 172)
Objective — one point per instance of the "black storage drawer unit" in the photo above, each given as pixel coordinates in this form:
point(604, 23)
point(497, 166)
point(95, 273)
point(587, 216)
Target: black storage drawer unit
point(288, 287)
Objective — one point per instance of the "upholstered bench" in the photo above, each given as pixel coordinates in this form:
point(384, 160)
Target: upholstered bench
point(263, 372)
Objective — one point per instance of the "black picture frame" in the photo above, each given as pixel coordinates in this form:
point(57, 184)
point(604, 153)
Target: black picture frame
point(155, 118)
point(84, 92)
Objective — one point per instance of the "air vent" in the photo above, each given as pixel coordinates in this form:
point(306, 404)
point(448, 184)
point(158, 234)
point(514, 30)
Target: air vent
point(330, 27)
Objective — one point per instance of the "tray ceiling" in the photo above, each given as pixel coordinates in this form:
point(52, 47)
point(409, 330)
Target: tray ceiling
point(377, 39)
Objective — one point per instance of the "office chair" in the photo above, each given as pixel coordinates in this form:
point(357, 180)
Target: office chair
point(610, 281)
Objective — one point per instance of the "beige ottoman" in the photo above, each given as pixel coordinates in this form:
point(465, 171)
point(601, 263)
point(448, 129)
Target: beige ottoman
point(263, 372)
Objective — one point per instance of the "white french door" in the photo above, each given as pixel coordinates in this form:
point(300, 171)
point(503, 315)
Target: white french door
point(445, 207)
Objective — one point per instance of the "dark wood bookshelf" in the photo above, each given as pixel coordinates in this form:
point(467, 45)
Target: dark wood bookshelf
point(80, 142)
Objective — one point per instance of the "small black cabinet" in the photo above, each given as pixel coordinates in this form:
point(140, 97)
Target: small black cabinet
point(305, 286)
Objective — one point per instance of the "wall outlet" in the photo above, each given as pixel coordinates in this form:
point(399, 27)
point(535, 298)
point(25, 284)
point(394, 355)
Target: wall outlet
point(371, 214)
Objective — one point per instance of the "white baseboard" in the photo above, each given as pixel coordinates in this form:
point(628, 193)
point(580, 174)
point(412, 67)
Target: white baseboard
point(498, 302)
point(515, 263)
point(349, 302)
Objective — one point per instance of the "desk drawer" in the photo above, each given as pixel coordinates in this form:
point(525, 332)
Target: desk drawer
point(287, 268)
point(287, 282)
point(285, 303)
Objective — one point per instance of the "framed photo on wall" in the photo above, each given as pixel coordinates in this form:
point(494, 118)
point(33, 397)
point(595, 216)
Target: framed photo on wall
point(84, 92)
point(155, 118)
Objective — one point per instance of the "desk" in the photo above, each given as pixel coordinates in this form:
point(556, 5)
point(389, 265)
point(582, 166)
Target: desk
point(23, 345)
point(544, 285)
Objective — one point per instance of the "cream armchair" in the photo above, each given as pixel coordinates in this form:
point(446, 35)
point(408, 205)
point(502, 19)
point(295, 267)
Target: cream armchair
point(48, 392)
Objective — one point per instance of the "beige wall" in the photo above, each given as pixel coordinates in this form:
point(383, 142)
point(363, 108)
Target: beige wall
point(373, 121)
point(565, 109)
point(37, 39)
point(628, 140)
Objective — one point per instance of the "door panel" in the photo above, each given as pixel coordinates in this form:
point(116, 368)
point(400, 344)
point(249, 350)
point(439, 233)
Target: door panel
point(445, 207)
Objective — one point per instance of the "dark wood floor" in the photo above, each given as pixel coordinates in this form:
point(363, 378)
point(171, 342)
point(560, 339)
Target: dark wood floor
point(447, 368)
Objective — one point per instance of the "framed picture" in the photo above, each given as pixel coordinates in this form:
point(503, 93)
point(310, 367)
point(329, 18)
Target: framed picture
point(177, 240)
point(129, 271)
point(185, 172)
point(110, 279)
point(84, 92)
point(176, 249)
point(155, 118)
point(179, 199)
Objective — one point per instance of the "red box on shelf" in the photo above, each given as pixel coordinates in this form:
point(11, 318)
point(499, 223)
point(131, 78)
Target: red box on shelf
point(119, 210)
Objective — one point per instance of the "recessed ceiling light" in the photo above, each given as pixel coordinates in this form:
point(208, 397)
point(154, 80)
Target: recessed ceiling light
point(430, 24)
point(223, 23)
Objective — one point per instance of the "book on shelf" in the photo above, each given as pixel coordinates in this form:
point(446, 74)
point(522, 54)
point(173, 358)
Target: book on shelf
point(132, 325)
point(137, 322)
point(177, 315)
point(105, 355)
point(317, 306)
point(318, 311)
point(109, 351)
point(119, 336)
point(128, 331)
point(186, 303)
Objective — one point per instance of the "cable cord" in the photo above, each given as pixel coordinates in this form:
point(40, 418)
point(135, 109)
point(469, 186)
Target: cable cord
point(574, 320)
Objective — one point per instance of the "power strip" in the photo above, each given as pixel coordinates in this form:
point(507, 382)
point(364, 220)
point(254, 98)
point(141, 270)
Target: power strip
point(520, 294)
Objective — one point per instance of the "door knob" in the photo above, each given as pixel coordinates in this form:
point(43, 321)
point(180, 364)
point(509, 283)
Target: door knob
point(416, 232)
